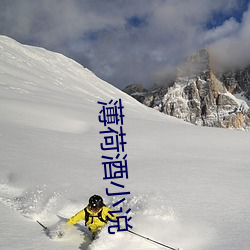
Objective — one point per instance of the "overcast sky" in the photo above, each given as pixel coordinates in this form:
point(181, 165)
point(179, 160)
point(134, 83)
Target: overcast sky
point(131, 41)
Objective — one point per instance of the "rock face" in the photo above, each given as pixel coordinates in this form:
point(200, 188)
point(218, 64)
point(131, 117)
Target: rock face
point(237, 81)
point(137, 91)
point(201, 97)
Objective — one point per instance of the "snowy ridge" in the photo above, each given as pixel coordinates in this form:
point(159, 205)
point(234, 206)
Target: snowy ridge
point(189, 185)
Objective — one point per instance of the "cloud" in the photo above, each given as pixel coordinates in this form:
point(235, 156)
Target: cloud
point(124, 42)
point(228, 28)
point(233, 49)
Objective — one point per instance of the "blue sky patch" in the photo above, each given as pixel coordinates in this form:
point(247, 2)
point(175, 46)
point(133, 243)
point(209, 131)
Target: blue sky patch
point(219, 17)
point(136, 21)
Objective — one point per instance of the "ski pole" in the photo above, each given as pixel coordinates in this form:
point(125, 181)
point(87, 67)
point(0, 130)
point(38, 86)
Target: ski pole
point(153, 240)
point(45, 228)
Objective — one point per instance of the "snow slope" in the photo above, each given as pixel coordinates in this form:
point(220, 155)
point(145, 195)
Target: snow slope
point(189, 185)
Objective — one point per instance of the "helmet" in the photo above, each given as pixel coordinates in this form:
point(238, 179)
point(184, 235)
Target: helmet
point(95, 202)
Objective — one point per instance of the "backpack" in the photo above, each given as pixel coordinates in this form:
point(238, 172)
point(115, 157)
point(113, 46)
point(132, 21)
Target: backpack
point(87, 217)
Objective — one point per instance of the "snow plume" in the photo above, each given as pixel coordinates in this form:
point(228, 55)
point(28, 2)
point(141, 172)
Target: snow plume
point(35, 203)
point(151, 217)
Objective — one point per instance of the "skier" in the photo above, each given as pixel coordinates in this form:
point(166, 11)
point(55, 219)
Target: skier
point(95, 215)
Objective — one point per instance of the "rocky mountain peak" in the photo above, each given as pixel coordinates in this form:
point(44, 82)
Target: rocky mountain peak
point(200, 96)
point(196, 64)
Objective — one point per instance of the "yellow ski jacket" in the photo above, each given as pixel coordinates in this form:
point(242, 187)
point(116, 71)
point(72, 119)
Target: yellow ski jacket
point(93, 222)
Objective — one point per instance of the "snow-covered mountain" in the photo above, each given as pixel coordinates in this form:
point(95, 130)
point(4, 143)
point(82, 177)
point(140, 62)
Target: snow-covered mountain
point(189, 185)
point(201, 96)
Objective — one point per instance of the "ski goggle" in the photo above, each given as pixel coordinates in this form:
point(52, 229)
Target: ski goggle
point(94, 208)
